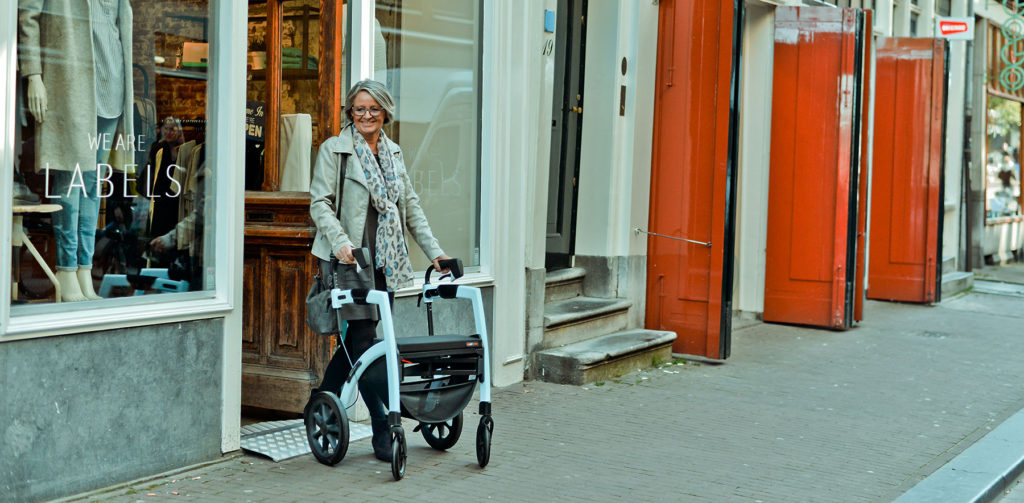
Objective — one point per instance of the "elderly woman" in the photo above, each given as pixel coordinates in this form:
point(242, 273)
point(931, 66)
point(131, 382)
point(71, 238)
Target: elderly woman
point(362, 197)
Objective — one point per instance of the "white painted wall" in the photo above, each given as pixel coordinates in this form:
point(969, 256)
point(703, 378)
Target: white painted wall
point(537, 198)
point(640, 50)
point(512, 67)
point(614, 180)
point(754, 155)
point(955, 122)
point(8, 29)
point(227, 146)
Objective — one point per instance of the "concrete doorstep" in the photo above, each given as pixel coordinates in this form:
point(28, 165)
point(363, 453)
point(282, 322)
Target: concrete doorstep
point(605, 357)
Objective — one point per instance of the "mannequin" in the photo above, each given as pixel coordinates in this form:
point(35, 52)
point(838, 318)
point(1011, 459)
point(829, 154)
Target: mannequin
point(80, 102)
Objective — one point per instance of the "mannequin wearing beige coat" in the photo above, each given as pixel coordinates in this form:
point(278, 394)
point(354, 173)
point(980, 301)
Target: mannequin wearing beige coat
point(76, 58)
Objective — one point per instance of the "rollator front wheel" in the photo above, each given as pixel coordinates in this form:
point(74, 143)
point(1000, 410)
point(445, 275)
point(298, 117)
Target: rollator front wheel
point(326, 428)
point(442, 436)
point(398, 453)
point(483, 440)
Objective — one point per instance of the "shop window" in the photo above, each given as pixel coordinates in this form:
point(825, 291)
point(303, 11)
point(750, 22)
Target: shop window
point(432, 54)
point(110, 173)
point(291, 91)
point(1003, 159)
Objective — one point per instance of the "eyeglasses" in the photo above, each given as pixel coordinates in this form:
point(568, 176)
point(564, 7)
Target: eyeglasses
point(361, 111)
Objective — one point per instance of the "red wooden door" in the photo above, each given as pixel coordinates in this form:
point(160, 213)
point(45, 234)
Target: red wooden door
point(689, 286)
point(906, 200)
point(811, 251)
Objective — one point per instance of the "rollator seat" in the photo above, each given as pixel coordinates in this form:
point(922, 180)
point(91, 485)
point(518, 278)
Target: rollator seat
point(431, 343)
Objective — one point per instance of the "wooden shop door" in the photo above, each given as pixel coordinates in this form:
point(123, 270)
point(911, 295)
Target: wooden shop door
point(906, 186)
point(282, 359)
point(811, 272)
point(689, 284)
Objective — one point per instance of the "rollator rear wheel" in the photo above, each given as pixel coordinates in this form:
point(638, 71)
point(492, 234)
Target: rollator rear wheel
point(398, 453)
point(443, 436)
point(326, 428)
point(483, 440)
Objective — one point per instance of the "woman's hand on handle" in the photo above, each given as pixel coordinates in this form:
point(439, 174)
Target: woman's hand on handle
point(437, 265)
point(345, 255)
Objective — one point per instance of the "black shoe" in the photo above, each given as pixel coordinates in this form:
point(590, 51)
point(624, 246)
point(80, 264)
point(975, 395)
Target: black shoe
point(381, 440)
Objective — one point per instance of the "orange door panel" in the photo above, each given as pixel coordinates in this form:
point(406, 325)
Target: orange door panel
point(689, 285)
point(815, 160)
point(906, 177)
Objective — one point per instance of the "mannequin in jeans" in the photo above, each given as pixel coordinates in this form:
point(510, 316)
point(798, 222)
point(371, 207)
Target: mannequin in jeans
point(77, 101)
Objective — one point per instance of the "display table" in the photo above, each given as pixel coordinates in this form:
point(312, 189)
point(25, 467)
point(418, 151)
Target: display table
point(19, 239)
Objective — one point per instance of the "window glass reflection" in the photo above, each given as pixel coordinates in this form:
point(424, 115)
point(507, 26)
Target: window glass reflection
point(110, 169)
point(1002, 160)
point(431, 51)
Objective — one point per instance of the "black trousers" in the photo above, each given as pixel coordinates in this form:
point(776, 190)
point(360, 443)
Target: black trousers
point(373, 386)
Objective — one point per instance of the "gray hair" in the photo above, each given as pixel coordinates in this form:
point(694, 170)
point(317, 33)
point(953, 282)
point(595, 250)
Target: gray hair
point(377, 91)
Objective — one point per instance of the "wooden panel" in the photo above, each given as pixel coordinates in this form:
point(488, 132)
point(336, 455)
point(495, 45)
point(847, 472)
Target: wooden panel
point(331, 80)
point(283, 357)
point(272, 126)
point(252, 303)
point(270, 388)
point(286, 275)
point(689, 174)
point(995, 65)
point(809, 182)
point(905, 198)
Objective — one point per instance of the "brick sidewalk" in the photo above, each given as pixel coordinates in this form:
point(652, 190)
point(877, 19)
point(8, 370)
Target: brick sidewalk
point(794, 415)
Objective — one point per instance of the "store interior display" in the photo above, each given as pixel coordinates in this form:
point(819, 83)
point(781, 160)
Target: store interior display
point(90, 145)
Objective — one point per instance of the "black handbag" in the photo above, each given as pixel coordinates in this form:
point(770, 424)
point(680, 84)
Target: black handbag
point(321, 316)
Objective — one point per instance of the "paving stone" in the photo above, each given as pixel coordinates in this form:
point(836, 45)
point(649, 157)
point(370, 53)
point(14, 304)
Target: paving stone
point(796, 414)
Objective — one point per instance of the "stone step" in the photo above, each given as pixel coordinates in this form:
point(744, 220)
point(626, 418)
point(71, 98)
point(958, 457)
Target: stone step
point(580, 318)
point(563, 284)
point(956, 282)
point(604, 357)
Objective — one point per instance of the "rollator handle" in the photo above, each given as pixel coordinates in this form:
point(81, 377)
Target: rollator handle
point(362, 256)
point(359, 296)
point(453, 265)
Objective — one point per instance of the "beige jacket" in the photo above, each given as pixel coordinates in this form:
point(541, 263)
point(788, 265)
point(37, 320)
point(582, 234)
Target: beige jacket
point(332, 234)
point(55, 41)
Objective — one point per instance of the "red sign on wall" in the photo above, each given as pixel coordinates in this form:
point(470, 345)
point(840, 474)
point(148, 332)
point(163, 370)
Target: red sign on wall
point(955, 28)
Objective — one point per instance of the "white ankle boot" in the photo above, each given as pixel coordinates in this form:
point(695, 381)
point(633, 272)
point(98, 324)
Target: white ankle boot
point(85, 281)
point(70, 289)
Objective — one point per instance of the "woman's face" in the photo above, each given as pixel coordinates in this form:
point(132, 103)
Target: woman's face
point(170, 131)
point(367, 124)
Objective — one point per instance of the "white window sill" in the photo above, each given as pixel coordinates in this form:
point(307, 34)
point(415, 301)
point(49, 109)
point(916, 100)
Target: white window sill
point(123, 314)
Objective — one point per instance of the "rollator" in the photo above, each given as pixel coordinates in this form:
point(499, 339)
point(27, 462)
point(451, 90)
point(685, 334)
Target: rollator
point(430, 379)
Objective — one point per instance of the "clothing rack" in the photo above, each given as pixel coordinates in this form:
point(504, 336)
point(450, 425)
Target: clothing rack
point(195, 126)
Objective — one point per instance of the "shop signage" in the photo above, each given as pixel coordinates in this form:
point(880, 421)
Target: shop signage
point(954, 28)
point(254, 120)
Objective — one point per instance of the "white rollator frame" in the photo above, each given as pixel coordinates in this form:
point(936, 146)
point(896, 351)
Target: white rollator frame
point(450, 367)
